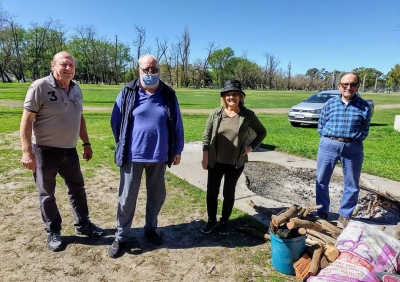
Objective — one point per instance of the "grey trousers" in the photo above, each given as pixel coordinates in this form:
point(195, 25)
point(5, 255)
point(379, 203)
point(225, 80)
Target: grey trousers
point(130, 179)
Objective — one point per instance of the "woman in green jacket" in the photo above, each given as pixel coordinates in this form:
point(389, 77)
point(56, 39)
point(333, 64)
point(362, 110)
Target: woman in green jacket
point(232, 131)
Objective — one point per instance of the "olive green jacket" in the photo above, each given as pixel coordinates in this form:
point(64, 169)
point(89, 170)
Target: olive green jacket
point(249, 126)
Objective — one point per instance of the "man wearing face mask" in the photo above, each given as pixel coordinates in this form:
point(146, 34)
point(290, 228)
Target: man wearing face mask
point(147, 126)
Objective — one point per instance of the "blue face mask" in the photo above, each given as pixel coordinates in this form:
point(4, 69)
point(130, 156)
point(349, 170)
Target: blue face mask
point(150, 79)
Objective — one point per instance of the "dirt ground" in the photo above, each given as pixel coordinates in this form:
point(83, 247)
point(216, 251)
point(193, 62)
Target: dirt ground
point(187, 255)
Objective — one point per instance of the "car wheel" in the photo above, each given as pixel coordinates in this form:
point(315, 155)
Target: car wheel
point(295, 124)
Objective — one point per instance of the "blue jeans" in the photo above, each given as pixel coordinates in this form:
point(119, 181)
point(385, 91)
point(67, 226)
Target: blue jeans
point(65, 162)
point(231, 176)
point(351, 156)
point(131, 176)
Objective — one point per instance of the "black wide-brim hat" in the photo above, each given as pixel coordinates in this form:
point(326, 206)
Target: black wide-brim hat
point(232, 85)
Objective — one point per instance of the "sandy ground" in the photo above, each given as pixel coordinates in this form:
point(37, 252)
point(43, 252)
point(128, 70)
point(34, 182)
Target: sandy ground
point(187, 255)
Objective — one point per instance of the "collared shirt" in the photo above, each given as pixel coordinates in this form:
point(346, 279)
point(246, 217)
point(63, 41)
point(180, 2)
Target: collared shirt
point(351, 120)
point(58, 112)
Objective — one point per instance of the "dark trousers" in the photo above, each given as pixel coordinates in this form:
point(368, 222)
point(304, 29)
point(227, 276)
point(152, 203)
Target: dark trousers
point(65, 162)
point(231, 176)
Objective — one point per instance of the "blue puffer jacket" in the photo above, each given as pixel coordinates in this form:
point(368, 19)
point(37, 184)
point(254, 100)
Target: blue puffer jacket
point(175, 143)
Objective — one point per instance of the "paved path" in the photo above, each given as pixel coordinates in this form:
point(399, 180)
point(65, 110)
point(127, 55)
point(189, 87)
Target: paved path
point(191, 170)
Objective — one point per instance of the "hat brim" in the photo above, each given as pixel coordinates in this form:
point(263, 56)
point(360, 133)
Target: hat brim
point(223, 92)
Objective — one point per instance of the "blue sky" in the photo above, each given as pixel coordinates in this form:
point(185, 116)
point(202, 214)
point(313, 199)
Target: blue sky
point(330, 34)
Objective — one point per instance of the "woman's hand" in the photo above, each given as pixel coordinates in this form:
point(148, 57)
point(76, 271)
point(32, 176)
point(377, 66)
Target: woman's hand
point(204, 161)
point(247, 150)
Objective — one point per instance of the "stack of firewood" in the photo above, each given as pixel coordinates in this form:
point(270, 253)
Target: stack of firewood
point(321, 236)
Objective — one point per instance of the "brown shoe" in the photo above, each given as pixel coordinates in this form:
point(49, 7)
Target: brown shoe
point(344, 220)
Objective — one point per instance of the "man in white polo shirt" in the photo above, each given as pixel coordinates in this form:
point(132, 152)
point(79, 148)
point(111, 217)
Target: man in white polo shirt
point(52, 121)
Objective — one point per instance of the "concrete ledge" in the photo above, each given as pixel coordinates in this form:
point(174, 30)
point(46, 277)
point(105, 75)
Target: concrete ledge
point(397, 123)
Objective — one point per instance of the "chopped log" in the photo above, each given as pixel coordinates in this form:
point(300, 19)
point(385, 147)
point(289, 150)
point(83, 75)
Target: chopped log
point(260, 209)
point(329, 227)
point(331, 252)
point(254, 232)
point(310, 209)
point(324, 262)
point(302, 231)
point(301, 212)
point(273, 228)
point(310, 241)
point(301, 267)
point(322, 237)
point(285, 216)
point(297, 223)
point(316, 259)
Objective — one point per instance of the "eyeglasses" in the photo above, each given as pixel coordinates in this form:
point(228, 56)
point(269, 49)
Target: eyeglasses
point(352, 85)
point(147, 71)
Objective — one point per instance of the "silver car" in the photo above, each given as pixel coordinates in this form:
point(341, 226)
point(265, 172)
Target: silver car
point(309, 110)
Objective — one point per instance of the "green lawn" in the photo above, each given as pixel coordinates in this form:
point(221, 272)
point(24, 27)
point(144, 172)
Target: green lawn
point(382, 150)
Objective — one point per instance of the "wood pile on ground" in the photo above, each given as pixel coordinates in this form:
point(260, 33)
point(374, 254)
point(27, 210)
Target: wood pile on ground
point(296, 221)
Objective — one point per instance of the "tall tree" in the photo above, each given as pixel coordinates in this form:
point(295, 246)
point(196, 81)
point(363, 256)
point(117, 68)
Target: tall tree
point(393, 77)
point(219, 63)
point(38, 42)
point(271, 69)
point(184, 52)
point(138, 43)
point(289, 76)
point(16, 63)
point(210, 50)
point(368, 76)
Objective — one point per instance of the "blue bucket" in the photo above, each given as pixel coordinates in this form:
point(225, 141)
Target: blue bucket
point(285, 252)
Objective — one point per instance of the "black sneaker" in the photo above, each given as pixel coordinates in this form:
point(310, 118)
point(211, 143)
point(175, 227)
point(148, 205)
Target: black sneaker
point(54, 242)
point(89, 229)
point(208, 227)
point(153, 237)
point(322, 215)
point(223, 228)
point(115, 248)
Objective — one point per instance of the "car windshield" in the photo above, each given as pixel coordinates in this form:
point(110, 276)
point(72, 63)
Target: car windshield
point(320, 98)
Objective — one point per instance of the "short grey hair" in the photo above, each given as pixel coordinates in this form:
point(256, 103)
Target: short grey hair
point(147, 55)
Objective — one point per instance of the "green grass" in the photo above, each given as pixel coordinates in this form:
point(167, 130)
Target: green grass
point(382, 153)
point(104, 95)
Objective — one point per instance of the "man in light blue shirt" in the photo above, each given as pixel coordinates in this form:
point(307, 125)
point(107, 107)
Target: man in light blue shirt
point(343, 125)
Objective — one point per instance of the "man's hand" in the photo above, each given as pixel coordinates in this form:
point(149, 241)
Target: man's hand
point(87, 153)
point(177, 160)
point(29, 161)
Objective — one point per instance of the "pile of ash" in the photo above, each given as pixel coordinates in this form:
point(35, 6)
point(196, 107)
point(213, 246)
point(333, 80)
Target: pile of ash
point(379, 208)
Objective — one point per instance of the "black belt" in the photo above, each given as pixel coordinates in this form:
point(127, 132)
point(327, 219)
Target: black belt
point(340, 139)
